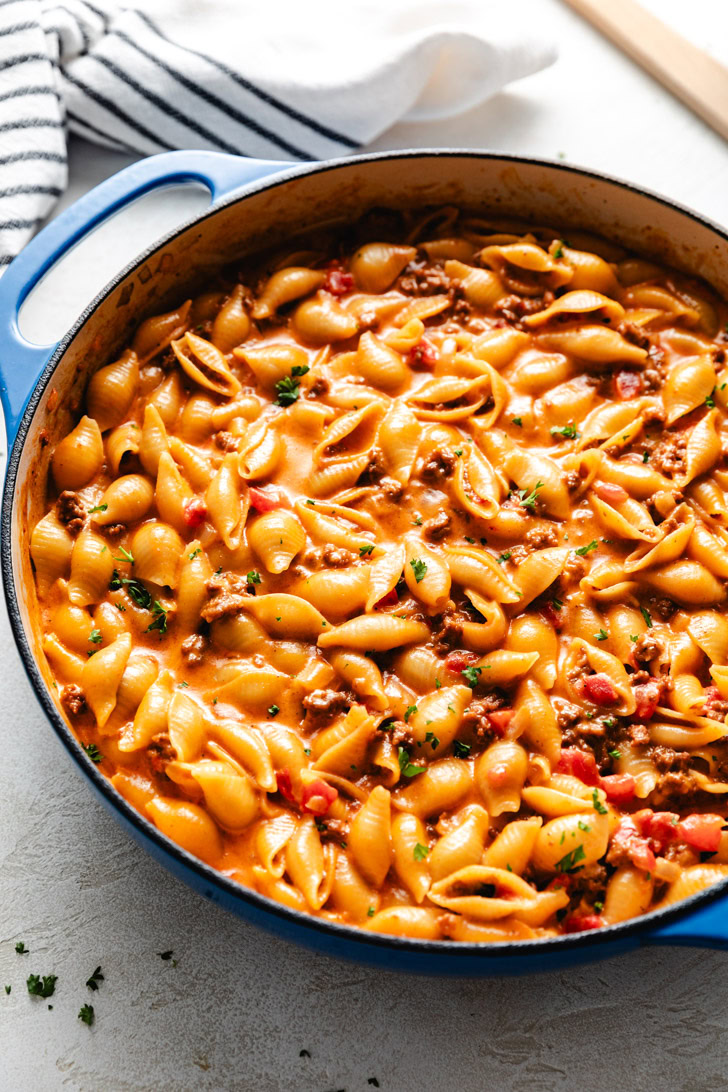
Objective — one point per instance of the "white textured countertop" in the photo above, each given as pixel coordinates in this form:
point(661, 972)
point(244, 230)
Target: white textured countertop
point(240, 1007)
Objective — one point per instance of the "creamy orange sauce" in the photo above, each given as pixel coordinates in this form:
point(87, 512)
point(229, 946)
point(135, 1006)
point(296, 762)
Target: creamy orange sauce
point(393, 586)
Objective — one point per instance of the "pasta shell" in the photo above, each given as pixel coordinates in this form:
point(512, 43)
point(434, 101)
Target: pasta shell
point(91, 569)
point(378, 632)
point(379, 364)
point(481, 287)
point(232, 322)
point(77, 458)
point(277, 537)
point(156, 548)
point(284, 286)
point(121, 443)
point(321, 319)
point(188, 825)
point(376, 266)
point(127, 500)
point(111, 391)
point(153, 441)
point(228, 501)
point(260, 451)
point(273, 362)
point(205, 365)
point(150, 719)
point(51, 547)
point(157, 332)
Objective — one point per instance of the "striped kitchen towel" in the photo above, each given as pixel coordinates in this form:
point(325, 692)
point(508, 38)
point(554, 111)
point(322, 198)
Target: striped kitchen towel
point(277, 80)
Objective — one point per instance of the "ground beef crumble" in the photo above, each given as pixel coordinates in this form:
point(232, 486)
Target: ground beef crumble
point(228, 593)
point(438, 526)
point(226, 441)
point(440, 464)
point(647, 647)
point(73, 698)
point(323, 705)
point(669, 455)
point(420, 278)
point(542, 536)
point(193, 649)
point(71, 511)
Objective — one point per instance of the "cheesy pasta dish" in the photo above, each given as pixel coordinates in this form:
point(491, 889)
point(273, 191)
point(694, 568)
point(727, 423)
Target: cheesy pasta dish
point(387, 577)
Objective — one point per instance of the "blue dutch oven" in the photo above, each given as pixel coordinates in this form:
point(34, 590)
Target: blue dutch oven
point(256, 204)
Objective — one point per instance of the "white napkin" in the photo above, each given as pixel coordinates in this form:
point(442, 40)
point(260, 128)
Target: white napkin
point(298, 81)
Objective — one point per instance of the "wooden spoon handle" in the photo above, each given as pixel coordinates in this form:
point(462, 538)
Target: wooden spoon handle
point(692, 75)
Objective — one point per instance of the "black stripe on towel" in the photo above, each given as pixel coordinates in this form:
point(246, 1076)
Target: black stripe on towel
point(112, 108)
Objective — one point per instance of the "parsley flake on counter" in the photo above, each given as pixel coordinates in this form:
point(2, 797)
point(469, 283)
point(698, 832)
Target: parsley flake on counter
point(86, 1014)
point(419, 568)
point(408, 768)
point(647, 617)
point(167, 957)
point(93, 981)
point(93, 752)
point(420, 852)
point(41, 986)
point(21, 949)
point(8, 989)
point(582, 551)
point(597, 804)
point(470, 674)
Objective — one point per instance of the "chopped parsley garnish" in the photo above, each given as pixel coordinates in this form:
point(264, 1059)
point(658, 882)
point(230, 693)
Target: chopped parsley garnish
point(517, 421)
point(287, 390)
point(41, 986)
point(370, 912)
point(420, 852)
point(571, 859)
point(93, 981)
point(528, 500)
point(253, 578)
point(614, 754)
point(633, 638)
point(364, 550)
point(408, 768)
point(97, 508)
point(470, 674)
point(556, 604)
point(645, 456)
point(125, 556)
point(503, 557)
point(597, 804)
point(609, 722)
point(710, 401)
point(419, 568)
point(461, 750)
point(602, 635)
point(300, 369)
point(86, 1014)
point(166, 956)
point(583, 826)
point(409, 711)
point(21, 949)
point(559, 249)
point(647, 617)
point(93, 752)
point(417, 521)
point(568, 432)
point(470, 540)
point(160, 618)
point(134, 587)
point(95, 636)
point(459, 452)
point(432, 739)
point(582, 551)
point(273, 710)
point(599, 906)
point(195, 552)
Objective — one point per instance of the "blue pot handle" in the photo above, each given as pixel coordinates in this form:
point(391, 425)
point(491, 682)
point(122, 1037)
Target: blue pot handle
point(706, 927)
point(21, 362)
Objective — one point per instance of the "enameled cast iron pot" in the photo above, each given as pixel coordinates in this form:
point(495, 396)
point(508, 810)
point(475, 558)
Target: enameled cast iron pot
point(256, 204)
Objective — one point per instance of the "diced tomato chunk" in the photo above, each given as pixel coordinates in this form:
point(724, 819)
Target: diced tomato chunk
point(619, 787)
point(578, 763)
point(627, 385)
point(338, 282)
point(647, 696)
point(317, 797)
point(389, 600)
point(456, 661)
point(628, 838)
point(610, 492)
point(194, 513)
point(499, 720)
point(285, 786)
point(579, 923)
point(600, 689)
point(552, 616)
point(265, 500)
point(702, 832)
point(423, 355)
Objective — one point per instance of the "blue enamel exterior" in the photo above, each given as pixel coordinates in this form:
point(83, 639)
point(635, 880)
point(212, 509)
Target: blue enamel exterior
point(703, 922)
